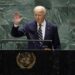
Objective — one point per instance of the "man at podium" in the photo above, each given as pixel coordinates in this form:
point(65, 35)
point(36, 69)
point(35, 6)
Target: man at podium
point(43, 33)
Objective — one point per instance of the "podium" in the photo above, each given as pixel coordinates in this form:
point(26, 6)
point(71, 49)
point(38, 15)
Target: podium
point(29, 62)
point(46, 63)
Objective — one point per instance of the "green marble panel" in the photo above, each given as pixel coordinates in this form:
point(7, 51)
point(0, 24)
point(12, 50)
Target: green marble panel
point(61, 12)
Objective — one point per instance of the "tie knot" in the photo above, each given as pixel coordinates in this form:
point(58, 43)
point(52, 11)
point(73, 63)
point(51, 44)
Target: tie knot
point(39, 25)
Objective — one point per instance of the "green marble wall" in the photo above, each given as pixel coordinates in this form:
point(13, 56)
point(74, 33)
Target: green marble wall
point(61, 12)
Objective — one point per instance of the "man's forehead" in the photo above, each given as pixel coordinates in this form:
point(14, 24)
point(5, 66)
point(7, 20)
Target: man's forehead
point(39, 11)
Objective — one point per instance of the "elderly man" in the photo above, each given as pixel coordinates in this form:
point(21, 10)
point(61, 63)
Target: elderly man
point(39, 29)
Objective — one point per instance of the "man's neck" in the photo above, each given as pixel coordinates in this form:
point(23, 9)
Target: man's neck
point(42, 23)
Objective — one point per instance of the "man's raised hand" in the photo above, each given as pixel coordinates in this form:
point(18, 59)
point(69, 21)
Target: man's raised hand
point(17, 18)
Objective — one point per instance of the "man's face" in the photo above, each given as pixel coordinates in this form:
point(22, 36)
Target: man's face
point(39, 16)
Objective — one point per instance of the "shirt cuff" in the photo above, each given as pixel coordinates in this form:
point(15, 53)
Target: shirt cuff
point(15, 25)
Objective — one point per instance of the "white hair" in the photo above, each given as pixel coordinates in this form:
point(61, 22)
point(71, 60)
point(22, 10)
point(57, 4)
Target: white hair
point(40, 8)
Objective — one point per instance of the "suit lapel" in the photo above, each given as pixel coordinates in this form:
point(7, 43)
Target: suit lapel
point(47, 31)
point(34, 30)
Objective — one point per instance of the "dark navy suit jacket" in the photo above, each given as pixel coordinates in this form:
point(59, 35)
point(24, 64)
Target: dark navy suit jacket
point(30, 30)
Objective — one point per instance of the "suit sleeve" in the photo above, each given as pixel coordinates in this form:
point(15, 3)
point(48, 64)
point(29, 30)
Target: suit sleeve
point(56, 40)
point(16, 32)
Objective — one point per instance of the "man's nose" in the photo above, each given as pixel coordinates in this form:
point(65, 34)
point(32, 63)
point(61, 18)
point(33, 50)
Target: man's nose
point(37, 16)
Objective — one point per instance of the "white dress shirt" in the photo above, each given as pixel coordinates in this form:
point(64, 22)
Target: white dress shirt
point(43, 27)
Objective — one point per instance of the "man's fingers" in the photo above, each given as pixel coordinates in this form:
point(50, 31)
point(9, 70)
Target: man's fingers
point(48, 49)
